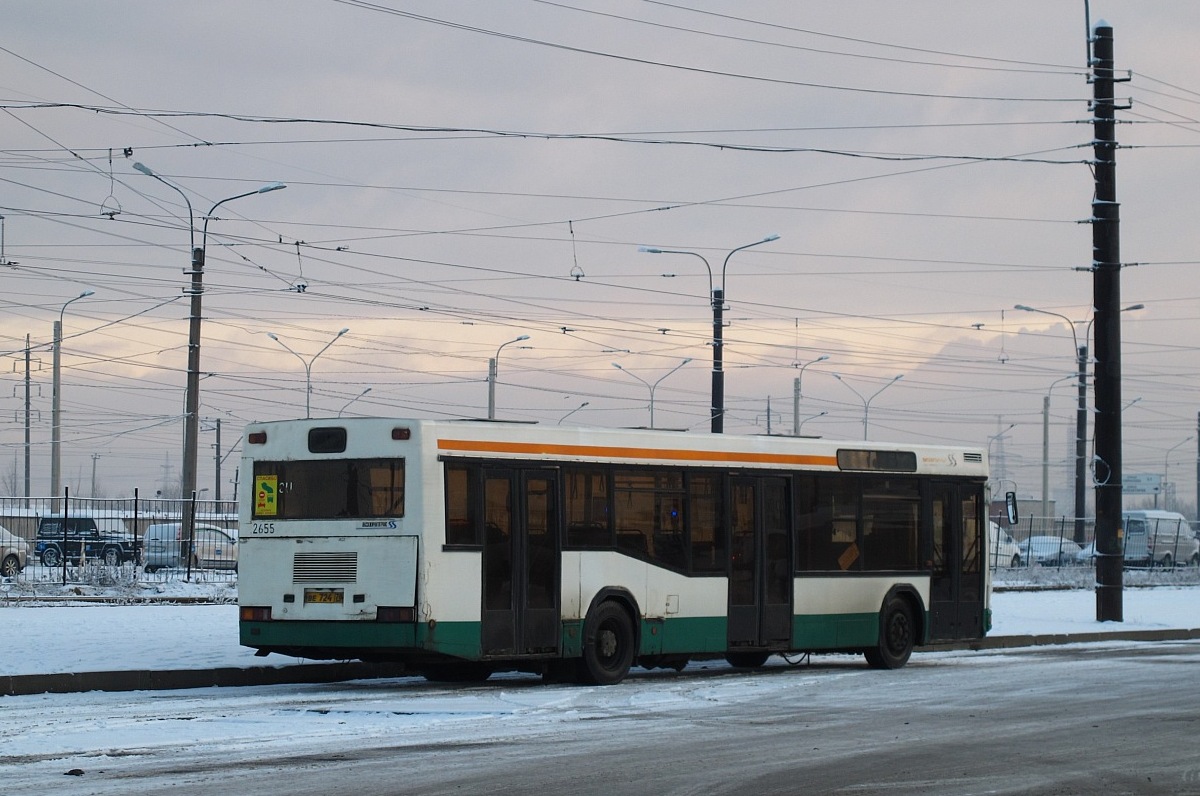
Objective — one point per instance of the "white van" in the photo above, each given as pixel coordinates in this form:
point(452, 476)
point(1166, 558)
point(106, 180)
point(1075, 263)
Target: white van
point(1159, 538)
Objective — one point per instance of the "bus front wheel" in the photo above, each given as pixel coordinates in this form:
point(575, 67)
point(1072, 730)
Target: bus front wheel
point(897, 635)
point(608, 647)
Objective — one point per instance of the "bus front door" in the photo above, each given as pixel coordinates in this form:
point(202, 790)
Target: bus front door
point(520, 563)
point(760, 577)
point(956, 585)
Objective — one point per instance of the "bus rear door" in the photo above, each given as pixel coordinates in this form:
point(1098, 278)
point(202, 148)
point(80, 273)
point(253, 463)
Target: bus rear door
point(956, 585)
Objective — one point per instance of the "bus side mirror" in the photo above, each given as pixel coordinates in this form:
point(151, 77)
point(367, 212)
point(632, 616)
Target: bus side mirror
point(1010, 503)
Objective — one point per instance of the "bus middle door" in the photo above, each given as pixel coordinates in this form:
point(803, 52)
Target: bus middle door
point(520, 563)
point(760, 576)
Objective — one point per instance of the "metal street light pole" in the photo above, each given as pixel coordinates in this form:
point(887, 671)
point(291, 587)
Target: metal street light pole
point(56, 403)
point(1081, 413)
point(654, 385)
point(796, 393)
point(867, 401)
point(1081, 361)
point(718, 340)
point(352, 400)
point(1046, 447)
point(493, 372)
point(1166, 471)
point(308, 364)
point(191, 420)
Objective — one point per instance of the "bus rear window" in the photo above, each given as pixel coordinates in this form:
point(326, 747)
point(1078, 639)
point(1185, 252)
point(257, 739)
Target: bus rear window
point(326, 489)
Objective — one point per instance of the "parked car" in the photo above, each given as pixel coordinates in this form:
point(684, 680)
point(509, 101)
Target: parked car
point(13, 553)
point(1004, 551)
point(211, 547)
point(77, 536)
point(1050, 551)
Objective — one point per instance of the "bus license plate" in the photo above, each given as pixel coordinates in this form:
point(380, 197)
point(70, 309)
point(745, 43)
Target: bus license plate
point(323, 596)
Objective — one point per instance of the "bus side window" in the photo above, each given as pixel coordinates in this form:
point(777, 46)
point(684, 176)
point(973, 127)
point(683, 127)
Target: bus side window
point(827, 524)
point(586, 508)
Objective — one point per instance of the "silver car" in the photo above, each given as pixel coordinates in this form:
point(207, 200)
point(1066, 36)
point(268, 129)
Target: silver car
point(1050, 551)
point(210, 547)
point(14, 551)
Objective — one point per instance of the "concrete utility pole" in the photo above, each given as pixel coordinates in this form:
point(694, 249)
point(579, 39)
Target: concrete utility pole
point(217, 465)
point(28, 448)
point(1106, 286)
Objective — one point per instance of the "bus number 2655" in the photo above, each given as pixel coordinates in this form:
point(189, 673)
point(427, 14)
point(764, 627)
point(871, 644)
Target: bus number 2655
point(262, 527)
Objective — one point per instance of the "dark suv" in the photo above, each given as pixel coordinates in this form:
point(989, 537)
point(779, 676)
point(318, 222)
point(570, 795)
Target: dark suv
point(76, 536)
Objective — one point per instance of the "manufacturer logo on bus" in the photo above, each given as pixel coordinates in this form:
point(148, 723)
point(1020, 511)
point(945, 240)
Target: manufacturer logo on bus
point(390, 524)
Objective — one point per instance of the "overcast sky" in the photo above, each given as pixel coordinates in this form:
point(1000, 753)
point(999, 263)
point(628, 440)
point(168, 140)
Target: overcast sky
point(463, 173)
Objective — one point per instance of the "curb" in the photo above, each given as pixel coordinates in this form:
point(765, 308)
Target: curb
point(168, 680)
point(1048, 639)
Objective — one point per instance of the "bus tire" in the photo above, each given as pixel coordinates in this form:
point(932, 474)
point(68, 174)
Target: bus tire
point(608, 646)
point(897, 635)
point(747, 660)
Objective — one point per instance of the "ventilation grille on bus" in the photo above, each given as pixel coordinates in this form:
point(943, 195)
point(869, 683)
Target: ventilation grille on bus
point(324, 567)
point(977, 458)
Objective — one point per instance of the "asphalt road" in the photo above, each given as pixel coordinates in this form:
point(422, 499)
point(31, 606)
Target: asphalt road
point(1112, 718)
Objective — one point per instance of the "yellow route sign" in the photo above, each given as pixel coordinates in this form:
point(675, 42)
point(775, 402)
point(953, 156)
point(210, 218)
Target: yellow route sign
point(266, 494)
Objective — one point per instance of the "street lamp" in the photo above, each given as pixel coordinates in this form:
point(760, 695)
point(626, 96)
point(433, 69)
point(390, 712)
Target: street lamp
point(718, 306)
point(352, 400)
point(144, 169)
point(191, 419)
point(308, 364)
point(867, 401)
point(573, 411)
point(56, 404)
point(800, 425)
point(654, 385)
point(493, 371)
point(1166, 471)
point(796, 392)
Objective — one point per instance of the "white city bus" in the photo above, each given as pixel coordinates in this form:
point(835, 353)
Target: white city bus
point(465, 548)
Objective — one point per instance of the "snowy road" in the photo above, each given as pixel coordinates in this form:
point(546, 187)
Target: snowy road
point(1117, 717)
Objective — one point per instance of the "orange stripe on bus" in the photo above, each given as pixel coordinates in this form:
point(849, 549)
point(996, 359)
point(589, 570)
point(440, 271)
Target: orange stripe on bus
point(596, 451)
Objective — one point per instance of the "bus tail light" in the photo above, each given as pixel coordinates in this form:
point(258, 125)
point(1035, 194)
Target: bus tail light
point(257, 438)
point(394, 614)
point(255, 613)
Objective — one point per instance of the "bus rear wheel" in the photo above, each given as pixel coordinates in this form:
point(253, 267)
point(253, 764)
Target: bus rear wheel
point(608, 646)
point(897, 635)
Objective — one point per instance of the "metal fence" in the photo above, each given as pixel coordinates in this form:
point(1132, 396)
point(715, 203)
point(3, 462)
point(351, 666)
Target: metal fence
point(105, 542)
point(1052, 541)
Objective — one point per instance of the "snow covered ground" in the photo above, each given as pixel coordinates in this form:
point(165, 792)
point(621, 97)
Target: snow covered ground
point(56, 638)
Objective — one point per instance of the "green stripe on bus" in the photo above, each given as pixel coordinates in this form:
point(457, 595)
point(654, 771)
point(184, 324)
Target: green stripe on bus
point(679, 635)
